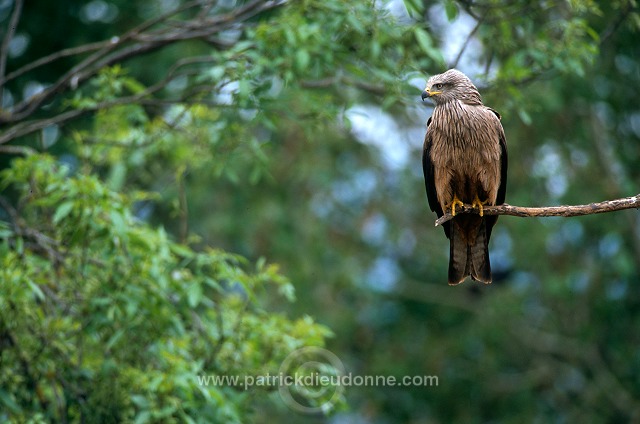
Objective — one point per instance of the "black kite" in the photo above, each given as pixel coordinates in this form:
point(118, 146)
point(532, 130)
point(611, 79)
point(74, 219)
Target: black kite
point(464, 162)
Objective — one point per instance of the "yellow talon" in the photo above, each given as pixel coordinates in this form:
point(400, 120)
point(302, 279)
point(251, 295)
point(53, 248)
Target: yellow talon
point(455, 202)
point(477, 203)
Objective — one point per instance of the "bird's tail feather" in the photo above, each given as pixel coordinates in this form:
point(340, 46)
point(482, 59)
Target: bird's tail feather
point(478, 258)
point(458, 253)
point(469, 256)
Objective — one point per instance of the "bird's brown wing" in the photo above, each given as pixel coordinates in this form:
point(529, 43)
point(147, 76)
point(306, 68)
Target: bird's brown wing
point(502, 188)
point(429, 179)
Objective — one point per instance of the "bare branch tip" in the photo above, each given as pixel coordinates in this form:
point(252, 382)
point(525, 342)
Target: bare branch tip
point(546, 211)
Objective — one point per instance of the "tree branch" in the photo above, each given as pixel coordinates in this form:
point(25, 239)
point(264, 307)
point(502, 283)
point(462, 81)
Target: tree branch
point(28, 127)
point(467, 41)
point(147, 37)
point(11, 30)
point(566, 211)
point(615, 25)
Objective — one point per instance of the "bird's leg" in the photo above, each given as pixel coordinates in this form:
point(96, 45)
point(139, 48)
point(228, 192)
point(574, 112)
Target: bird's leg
point(477, 203)
point(453, 204)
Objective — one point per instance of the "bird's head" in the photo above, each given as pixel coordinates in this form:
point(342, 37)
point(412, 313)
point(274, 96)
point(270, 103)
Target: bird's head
point(449, 86)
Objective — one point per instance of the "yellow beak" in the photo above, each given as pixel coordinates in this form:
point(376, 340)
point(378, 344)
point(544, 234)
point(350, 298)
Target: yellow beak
point(429, 93)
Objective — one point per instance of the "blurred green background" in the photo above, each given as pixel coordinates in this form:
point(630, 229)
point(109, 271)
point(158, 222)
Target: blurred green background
point(290, 133)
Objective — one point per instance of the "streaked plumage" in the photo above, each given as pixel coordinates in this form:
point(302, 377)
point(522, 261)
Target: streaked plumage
point(464, 158)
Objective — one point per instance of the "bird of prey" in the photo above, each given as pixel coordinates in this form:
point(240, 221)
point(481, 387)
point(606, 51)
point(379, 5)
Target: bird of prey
point(464, 162)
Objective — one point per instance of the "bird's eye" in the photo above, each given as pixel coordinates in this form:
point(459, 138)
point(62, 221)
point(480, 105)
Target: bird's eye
point(438, 86)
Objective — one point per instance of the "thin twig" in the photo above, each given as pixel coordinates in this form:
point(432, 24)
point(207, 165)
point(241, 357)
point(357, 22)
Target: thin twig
point(46, 60)
point(183, 205)
point(144, 39)
point(29, 127)
point(565, 211)
point(339, 78)
point(467, 41)
point(17, 150)
point(88, 67)
point(615, 25)
point(11, 30)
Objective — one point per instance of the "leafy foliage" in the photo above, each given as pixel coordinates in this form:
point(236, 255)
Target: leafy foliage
point(109, 314)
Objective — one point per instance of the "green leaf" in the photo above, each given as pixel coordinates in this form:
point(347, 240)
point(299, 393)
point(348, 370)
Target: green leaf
point(288, 291)
point(118, 222)
point(133, 85)
point(216, 73)
point(62, 211)
point(117, 176)
point(260, 263)
point(5, 230)
point(414, 8)
point(426, 44)
point(114, 339)
point(244, 88)
point(212, 283)
point(36, 290)
point(7, 399)
point(524, 116)
point(451, 9)
point(181, 250)
point(302, 59)
point(194, 294)
point(424, 39)
point(143, 417)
